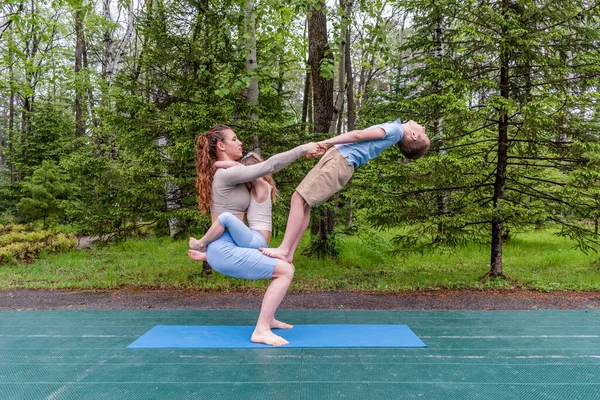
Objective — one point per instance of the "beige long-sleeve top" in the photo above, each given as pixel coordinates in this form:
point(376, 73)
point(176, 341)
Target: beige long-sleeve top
point(229, 192)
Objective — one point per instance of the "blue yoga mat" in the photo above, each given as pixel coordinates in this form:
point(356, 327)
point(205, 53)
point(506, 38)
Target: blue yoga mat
point(301, 336)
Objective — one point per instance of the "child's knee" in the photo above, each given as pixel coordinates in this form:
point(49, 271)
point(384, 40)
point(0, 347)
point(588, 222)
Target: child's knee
point(225, 218)
point(297, 197)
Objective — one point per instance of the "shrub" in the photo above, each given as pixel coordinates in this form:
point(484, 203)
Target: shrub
point(18, 245)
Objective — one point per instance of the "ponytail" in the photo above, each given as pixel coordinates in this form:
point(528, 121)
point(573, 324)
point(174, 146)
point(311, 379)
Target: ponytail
point(206, 155)
point(204, 176)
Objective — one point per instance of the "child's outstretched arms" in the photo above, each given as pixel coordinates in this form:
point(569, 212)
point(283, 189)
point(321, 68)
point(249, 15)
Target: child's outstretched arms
point(358, 135)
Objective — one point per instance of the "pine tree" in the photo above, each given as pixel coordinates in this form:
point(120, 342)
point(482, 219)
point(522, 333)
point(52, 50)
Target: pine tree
point(514, 122)
point(43, 193)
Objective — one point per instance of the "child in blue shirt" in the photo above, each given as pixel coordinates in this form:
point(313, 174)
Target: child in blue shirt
point(344, 153)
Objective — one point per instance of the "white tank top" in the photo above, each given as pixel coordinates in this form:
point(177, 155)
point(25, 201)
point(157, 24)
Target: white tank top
point(259, 215)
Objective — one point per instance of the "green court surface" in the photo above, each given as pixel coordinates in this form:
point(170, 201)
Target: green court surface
point(471, 355)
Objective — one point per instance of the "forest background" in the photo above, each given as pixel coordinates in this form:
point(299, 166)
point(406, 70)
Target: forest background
point(101, 101)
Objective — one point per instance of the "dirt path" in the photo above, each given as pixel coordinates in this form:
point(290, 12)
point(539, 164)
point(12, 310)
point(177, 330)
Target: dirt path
point(20, 299)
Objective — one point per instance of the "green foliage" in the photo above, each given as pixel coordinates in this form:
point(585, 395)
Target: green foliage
point(433, 61)
point(113, 196)
point(320, 248)
point(9, 228)
point(448, 76)
point(50, 137)
point(9, 197)
point(18, 245)
point(44, 193)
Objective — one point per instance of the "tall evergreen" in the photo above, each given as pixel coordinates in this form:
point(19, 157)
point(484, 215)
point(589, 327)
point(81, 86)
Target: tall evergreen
point(513, 129)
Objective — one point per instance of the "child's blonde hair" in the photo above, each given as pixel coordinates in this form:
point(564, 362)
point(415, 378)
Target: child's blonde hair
point(253, 158)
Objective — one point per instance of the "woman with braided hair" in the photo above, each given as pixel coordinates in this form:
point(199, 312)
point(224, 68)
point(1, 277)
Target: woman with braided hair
point(224, 190)
point(259, 215)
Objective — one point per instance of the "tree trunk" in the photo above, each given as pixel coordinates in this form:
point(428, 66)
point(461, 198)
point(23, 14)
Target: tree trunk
point(174, 202)
point(340, 119)
point(172, 191)
point(322, 87)
point(350, 113)
point(328, 214)
point(361, 81)
point(3, 138)
point(306, 99)
point(206, 269)
point(25, 112)
point(31, 49)
point(500, 181)
point(307, 84)
point(251, 64)
point(322, 98)
point(251, 61)
point(310, 113)
point(113, 52)
point(79, 102)
point(351, 109)
point(88, 89)
point(108, 46)
point(11, 122)
point(341, 95)
point(438, 123)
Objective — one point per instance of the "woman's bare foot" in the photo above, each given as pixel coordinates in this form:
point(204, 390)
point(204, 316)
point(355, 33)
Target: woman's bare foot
point(268, 337)
point(280, 325)
point(276, 253)
point(197, 244)
point(197, 255)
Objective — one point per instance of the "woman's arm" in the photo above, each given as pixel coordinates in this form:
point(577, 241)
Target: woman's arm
point(241, 173)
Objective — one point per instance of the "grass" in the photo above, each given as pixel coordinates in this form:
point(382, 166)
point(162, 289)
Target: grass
point(536, 260)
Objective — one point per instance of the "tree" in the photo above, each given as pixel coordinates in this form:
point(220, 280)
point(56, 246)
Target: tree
point(321, 68)
point(43, 193)
point(503, 94)
point(251, 64)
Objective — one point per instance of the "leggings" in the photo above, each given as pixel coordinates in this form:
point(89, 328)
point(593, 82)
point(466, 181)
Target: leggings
point(240, 233)
point(227, 256)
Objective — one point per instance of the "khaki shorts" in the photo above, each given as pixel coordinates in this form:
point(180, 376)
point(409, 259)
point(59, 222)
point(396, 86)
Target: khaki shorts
point(326, 178)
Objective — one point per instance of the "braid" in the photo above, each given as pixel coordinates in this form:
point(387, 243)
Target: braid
point(206, 155)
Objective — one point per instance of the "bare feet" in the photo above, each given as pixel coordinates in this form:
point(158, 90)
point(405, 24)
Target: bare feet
point(268, 337)
point(197, 255)
point(196, 244)
point(276, 253)
point(280, 325)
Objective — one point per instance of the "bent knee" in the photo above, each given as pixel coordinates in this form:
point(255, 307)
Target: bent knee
point(299, 201)
point(225, 218)
point(283, 269)
point(296, 196)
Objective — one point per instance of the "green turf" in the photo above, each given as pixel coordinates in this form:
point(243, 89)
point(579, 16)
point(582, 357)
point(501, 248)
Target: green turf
point(470, 354)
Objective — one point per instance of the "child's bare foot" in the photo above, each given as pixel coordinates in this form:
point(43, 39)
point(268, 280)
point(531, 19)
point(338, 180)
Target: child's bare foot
point(197, 244)
point(197, 255)
point(276, 253)
point(268, 337)
point(280, 325)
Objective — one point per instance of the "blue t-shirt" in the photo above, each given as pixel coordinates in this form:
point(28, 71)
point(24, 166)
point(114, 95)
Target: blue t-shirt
point(359, 153)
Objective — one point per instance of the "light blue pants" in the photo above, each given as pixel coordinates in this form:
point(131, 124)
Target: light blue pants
point(236, 252)
point(240, 233)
